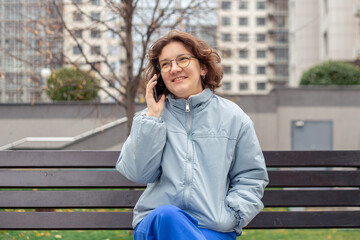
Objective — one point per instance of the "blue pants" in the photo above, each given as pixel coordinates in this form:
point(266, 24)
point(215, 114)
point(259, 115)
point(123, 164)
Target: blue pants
point(171, 223)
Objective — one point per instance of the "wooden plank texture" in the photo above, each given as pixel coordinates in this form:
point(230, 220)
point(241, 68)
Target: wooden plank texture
point(320, 219)
point(122, 220)
point(64, 179)
point(108, 158)
point(312, 158)
point(73, 179)
point(69, 199)
point(63, 159)
point(128, 198)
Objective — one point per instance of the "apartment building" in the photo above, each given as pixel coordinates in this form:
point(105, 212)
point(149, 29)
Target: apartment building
point(33, 41)
point(320, 31)
point(253, 42)
point(93, 29)
point(30, 40)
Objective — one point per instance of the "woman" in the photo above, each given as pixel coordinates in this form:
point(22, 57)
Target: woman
point(197, 152)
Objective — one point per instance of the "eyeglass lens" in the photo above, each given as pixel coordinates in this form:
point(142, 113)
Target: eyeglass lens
point(182, 61)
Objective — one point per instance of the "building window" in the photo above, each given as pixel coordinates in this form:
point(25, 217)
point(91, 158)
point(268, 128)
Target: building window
point(243, 86)
point(243, 21)
point(95, 16)
point(226, 86)
point(226, 21)
point(261, 54)
point(226, 53)
point(244, 53)
point(226, 5)
point(243, 37)
point(280, 21)
point(226, 37)
point(95, 50)
point(260, 70)
point(95, 2)
point(113, 34)
point(243, 70)
point(281, 70)
point(261, 86)
point(77, 50)
point(115, 66)
point(243, 5)
point(260, 21)
point(227, 69)
point(260, 37)
point(78, 33)
point(281, 54)
point(325, 44)
point(281, 37)
point(95, 33)
point(113, 50)
point(260, 5)
point(77, 16)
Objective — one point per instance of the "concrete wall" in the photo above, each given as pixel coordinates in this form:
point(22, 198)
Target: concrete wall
point(272, 115)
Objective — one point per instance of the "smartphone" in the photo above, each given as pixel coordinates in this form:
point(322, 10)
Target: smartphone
point(159, 88)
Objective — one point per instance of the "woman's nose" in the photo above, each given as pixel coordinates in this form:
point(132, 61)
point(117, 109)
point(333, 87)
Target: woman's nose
point(175, 67)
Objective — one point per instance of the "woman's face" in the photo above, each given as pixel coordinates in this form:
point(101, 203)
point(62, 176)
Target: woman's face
point(181, 82)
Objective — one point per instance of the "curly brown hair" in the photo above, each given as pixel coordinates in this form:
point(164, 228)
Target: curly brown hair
point(206, 55)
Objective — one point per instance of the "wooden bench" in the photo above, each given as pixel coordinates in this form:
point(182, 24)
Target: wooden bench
point(46, 180)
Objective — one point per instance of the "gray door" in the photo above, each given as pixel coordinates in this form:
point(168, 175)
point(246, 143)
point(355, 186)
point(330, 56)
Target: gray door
point(311, 135)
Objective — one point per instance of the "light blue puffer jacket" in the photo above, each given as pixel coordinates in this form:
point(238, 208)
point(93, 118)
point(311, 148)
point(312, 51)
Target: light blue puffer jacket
point(202, 156)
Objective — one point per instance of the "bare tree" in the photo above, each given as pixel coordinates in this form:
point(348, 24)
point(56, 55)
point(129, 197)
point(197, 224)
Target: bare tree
point(49, 33)
point(136, 23)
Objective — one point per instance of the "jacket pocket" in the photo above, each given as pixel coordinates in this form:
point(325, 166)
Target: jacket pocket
point(226, 221)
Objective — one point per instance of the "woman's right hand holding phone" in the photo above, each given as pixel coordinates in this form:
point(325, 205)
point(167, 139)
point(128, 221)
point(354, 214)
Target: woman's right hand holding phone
point(154, 108)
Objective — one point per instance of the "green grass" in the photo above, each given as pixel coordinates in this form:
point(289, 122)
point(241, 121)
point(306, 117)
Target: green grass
point(282, 234)
point(66, 235)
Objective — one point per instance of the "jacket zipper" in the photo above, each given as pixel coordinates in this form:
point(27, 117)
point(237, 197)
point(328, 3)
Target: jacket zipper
point(188, 168)
point(187, 107)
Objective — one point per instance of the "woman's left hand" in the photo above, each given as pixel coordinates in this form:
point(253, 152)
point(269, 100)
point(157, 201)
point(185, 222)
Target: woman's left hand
point(154, 108)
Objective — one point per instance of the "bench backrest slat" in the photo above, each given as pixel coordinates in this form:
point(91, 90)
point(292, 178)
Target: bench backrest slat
point(63, 159)
point(112, 179)
point(99, 159)
point(128, 198)
point(312, 158)
point(64, 179)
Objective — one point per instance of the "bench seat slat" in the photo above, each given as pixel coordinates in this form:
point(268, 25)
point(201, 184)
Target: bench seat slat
point(313, 219)
point(122, 220)
point(65, 220)
point(73, 179)
point(128, 198)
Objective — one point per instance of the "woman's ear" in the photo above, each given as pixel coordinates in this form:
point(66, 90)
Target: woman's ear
point(203, 70)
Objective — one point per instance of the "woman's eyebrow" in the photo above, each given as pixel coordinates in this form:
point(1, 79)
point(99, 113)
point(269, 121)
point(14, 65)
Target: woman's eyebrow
point(166, 59)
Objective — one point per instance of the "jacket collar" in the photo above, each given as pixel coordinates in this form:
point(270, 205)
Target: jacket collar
point(196, 102)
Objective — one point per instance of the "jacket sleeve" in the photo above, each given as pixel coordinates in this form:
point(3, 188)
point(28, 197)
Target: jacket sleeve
point(141, 154)
point(248, 177)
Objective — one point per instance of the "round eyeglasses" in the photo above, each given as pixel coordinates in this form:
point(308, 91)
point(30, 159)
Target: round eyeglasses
point(182, 61)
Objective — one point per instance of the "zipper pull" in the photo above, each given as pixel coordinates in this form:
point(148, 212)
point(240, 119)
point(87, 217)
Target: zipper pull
point(187, 107)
